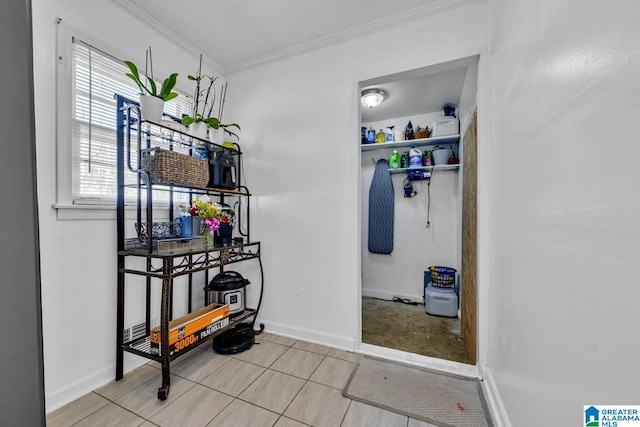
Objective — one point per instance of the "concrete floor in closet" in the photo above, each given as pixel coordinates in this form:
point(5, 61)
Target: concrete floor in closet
point(409, 328)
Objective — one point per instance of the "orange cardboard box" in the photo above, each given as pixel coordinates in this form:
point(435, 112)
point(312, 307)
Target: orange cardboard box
point(189, 330)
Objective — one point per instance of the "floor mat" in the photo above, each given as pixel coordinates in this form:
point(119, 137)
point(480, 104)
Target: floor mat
point(437, 398)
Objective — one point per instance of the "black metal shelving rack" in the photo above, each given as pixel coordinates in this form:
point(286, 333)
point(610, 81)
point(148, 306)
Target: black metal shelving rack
point(164, 266)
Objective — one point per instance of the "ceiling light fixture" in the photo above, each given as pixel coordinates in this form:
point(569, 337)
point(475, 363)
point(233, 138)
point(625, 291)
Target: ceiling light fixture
point(372, 97)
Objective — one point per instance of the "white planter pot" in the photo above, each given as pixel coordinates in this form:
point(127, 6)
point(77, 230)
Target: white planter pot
point(199, 130)
point(151, 108)
point(216, 135)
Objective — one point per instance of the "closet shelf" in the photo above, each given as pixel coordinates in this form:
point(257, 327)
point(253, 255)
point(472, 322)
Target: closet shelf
point(440, 140)
point(427, 168)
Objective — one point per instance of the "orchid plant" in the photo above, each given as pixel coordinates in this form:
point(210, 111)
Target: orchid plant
point(165, 92)
point(204, 100)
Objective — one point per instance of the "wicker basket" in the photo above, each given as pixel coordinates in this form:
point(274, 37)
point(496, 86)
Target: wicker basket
point(171, 168)
point(420, 134)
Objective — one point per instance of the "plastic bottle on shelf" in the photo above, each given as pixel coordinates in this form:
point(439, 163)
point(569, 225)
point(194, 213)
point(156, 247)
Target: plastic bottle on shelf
point(409, 131)
point(404, 160)
point(415, 158)
point(380, 137)
point(389, 133)
point(426, 160)
point(394, 160)
point(371, 135)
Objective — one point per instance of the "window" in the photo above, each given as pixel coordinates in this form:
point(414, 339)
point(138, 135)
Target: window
point(87, 122)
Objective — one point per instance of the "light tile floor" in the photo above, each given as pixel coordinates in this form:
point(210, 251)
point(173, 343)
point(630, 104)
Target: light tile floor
point(279, 382)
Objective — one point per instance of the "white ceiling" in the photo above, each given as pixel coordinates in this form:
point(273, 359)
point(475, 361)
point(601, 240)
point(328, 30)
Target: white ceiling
point(425, 93)
point(241, 33)
point(238, 33)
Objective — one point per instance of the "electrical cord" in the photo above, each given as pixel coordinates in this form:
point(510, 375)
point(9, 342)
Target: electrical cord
point(428, 201)
point(242, 208)
point(404, 301)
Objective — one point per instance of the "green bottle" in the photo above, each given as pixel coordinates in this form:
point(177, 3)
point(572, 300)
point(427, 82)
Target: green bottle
point(394, 160)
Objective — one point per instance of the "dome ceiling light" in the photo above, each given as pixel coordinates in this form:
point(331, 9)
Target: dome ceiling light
point(372, 97)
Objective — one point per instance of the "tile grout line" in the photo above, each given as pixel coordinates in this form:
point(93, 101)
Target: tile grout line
point(303, 386)
point(346, 412)
point(117, 404)
point(102, 407)
point(324, 355)
point(252, 382)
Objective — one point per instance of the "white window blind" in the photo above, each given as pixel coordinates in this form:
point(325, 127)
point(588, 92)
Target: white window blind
point(96, 78)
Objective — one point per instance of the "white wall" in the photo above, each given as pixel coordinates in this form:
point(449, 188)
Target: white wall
point(301, 133)
point(561, 196)
point(416, 247)
point(78, 258)
point(302, 165)
point(468, 97)
point(564, 207)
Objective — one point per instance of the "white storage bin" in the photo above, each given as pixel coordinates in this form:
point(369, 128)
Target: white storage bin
point(445, 126)
point(440, 301)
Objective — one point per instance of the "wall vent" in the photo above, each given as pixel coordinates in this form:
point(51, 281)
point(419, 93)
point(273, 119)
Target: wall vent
point(135, 331)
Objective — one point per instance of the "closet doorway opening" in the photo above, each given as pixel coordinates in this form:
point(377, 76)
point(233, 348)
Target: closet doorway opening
point(417, 215)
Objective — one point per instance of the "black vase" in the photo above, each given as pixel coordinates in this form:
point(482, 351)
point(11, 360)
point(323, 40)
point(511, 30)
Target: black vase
point(222, 236)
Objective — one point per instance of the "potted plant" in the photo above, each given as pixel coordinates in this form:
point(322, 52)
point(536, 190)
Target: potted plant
point(152, 99)
point(204, 101)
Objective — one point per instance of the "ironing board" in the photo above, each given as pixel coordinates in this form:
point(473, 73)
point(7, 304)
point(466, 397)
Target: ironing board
point(381, 206)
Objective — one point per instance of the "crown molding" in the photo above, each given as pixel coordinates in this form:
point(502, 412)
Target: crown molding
point(145, 18)
point(371, 27)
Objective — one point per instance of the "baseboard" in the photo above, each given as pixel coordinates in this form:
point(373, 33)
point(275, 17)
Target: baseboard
point(494, 401)
point(335, 341)
point(372, 293)
point(59, 398)
point(420, 361)
point(71, 392)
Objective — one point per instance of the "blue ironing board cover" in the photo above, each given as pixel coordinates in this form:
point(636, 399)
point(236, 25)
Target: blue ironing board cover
point(381, 205)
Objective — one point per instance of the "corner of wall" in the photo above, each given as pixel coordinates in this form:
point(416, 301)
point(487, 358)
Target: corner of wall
point(494, 402)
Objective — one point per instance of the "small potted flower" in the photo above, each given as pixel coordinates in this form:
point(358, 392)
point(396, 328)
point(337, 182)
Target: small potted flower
point(209, 216)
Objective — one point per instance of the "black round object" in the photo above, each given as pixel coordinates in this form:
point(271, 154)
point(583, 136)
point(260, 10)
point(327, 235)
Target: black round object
point(235, 340)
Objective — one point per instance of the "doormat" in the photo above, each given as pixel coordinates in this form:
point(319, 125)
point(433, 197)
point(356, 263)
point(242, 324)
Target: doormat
point(437, 398)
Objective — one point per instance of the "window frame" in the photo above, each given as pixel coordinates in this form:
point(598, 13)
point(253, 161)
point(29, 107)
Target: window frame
point(67, 206)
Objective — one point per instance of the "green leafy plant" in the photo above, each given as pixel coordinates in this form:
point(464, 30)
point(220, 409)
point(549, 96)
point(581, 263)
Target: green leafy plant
point(204, 100)
point(151, 87)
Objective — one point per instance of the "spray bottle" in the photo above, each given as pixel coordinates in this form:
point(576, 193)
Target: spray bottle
point(389, 133)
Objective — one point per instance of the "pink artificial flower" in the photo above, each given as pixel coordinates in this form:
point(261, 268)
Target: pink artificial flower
point(211, 224)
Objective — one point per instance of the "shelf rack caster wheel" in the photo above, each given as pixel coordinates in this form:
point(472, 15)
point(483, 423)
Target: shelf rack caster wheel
point(163, 393)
